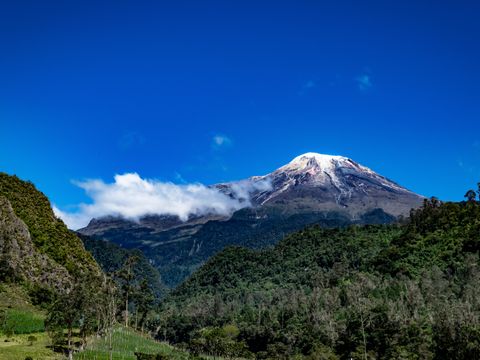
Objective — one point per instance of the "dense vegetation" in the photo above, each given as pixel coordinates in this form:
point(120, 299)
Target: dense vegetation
point(111, 257)
point(364, 292)
point(178, 252)
point(49, 234)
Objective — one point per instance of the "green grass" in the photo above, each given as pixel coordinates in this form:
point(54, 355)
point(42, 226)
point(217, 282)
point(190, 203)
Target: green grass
point(125, 343)
point(18, 347)
point(23, 321)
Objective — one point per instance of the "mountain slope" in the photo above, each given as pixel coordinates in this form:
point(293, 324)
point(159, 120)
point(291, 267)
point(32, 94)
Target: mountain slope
point(19, 261)
point(312, 189)
point(34, 244)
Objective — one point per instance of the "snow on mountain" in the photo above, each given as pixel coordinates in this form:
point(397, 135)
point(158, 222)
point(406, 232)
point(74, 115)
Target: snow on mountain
point(330, 182)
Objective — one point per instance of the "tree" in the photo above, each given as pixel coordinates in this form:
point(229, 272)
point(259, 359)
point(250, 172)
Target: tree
point(220, 341)
point(144, 300)
point(64, 313)
point(75, 307)
point(470, 195)
point(127, 276)
point(108, 311)
point(90, 312)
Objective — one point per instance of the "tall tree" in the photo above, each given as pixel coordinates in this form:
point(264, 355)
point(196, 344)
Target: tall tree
point(73, 308)
point(127, 276)
point(109, 311)
point(144, 300)
point(470, 195)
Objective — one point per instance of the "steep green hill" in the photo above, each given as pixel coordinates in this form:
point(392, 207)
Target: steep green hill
point(36, 246)
point(396, 291)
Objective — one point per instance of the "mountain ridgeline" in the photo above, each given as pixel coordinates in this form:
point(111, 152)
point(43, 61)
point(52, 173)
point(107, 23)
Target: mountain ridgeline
point(331, 191)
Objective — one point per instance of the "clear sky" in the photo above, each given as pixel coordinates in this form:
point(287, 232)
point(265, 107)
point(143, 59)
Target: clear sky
point(209, 91)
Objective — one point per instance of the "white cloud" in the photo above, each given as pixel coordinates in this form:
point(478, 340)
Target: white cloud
point(132, 197)
point(364, 82)
point(75, 220)
point(219, 141)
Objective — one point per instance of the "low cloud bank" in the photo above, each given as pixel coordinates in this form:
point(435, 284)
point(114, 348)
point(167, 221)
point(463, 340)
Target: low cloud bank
point(132, 197)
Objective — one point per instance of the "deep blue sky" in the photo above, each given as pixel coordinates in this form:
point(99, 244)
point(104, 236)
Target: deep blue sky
point(89, 90)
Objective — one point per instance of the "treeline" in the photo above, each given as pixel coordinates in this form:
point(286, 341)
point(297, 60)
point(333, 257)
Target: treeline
point(95, 305)
point(405, 291)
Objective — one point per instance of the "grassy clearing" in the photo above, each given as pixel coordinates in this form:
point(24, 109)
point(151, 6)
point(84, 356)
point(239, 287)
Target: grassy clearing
point(17, 316)
point(19, 322)
point(125, 343)
point(18, 347)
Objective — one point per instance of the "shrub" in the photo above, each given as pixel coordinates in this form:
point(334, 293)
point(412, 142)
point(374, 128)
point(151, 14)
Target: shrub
point(31, 339)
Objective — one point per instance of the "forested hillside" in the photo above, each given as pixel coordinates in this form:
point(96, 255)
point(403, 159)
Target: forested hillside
point(111, 257)
point(178, 252)
point(405, 291)
point(36, 246)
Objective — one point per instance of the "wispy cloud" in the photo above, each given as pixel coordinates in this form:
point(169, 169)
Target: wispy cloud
point(221, 141)
point(132, 197)
point(307, 86)
point(364, 82)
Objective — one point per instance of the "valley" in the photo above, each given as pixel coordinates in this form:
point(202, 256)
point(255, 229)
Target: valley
point(332, 191)
point(271, 281)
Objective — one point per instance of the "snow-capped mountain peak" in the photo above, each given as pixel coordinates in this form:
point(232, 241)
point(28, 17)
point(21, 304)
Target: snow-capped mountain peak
point(324, 183)
point(320, 180)
point(314, 164)
point(318, 158)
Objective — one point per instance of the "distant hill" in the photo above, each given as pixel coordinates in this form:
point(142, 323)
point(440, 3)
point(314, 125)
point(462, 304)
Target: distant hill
point(313, 188)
